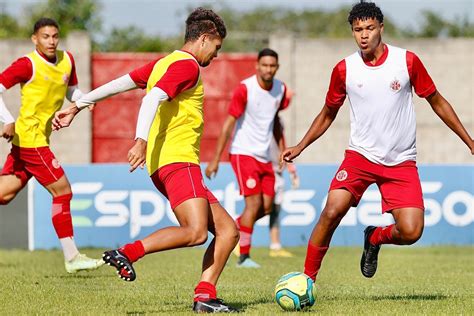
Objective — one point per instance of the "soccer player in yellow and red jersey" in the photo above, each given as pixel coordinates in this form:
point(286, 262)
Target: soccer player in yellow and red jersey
point(46, 75)
point(168, 134)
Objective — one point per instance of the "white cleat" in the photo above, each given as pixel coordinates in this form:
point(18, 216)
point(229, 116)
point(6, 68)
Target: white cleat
point(82, 262)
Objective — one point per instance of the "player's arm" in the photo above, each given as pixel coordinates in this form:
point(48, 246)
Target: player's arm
point(319, 126)
point(8, 129)
point(236, 109)
point(150, 102)
point(334, 99)
point(446, 113)
point(63, 118)
point(19, 71)
point(224, 136)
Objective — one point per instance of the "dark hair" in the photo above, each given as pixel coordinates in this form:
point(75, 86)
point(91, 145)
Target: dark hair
point(267, 52)
point(363, 11)
point(44, 22)
point(202, 21)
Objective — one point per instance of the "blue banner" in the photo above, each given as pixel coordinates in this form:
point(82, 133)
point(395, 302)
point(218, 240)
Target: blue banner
point(112, 206)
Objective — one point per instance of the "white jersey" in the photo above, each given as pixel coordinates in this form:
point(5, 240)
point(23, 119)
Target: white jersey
point(383, 126)
point(254, 129)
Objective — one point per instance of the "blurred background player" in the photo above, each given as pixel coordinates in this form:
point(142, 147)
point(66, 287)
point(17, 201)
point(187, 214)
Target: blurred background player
point(168, 133)
point(378, 80)
point(276, 249)
point(46, 75)
point(252, 116)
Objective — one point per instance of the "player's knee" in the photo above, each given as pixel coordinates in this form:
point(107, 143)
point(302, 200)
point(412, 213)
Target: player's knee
point(5, 199)
point(331, 215)
point(197, 237)
point(411, 234)
point(232, 234)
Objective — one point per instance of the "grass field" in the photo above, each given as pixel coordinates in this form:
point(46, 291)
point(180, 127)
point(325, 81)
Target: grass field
point(410, 280)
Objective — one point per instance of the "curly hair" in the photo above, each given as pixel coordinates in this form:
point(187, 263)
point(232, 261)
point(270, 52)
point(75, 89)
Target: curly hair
point(202, 21)
point(363, 11)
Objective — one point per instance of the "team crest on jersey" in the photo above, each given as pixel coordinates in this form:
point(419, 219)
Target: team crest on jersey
point(65, 78)
point(341, 175)
point(395, 85)
point(250, 183)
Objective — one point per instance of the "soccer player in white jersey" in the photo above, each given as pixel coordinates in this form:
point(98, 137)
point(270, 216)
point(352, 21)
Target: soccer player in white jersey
point(252, 111)
point(378, 80)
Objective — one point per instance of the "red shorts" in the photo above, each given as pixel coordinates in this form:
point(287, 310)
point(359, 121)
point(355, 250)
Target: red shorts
point(180, 182)
point(399, 185)
point(254, 177)
point(37, 162)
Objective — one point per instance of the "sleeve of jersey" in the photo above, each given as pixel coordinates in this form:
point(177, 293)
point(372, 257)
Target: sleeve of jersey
point(73, 78)
point(239, 101)
point(140, 75)
point(180, 76)
point(419, 77)
point(285, 101)
point(337, 87)
point(19, 71)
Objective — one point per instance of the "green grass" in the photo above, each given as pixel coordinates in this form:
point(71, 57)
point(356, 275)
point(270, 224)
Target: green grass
point(410, 280)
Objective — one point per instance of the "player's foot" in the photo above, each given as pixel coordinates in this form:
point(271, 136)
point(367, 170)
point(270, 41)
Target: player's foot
point(236, 250)
point(368, 262)
point(82, 262)
point(246, 262)
point(213, 306)
point(282, 253)
point(120, 262)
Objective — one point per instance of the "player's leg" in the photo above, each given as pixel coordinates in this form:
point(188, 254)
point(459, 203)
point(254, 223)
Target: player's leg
point(226, 236)
point(245, 223)
point(402, 196)
point(276, 249)
point(42, 164)
point(337, 205)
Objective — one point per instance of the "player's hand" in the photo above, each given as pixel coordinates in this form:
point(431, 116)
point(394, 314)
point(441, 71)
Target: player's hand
point(289, 154)
point(211, 169)
point(8, 131)
point(137, 155)
point(295, 180)
point(63, 118)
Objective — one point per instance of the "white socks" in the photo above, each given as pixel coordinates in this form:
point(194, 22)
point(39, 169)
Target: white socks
point(69, 248)
point(275, 246)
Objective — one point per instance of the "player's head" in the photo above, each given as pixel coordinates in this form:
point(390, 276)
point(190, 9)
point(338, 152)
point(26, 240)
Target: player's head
point(206, 31)
point(267, 64)
point(46, 36)
point(366, 20)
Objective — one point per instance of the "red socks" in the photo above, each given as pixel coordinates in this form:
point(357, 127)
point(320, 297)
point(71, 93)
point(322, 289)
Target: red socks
point(133, 251)
point(314, 257)
point(382, 235)
point(245, 241)
point(205, 291)
point(61, 215)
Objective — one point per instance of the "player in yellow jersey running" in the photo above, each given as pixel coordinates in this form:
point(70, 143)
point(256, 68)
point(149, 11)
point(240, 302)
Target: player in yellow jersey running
point(168, 134)
point(46, 75)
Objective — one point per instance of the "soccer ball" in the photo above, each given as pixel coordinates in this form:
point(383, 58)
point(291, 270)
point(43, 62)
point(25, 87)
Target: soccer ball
point(295, 291)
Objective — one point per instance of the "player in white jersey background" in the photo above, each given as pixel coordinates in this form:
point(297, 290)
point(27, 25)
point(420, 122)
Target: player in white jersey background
point(378, 81)
point(252, 112)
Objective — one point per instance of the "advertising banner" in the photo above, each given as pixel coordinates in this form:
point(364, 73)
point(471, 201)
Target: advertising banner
point(112, 206)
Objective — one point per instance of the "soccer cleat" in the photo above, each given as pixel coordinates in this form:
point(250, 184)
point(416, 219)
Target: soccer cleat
point(120, 262)
point(213, 306)
point(282, 253)
point(81, 262)
point(247, 263)
point(368, 262)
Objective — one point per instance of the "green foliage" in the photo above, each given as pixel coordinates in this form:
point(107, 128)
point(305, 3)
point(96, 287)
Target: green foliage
point(409, 281)
point(8, 26)
point(70, 14)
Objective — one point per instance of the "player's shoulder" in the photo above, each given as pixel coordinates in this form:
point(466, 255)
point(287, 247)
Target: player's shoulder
point(249, 80)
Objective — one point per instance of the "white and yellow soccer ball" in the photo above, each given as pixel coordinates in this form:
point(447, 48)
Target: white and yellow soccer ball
point(295, 291)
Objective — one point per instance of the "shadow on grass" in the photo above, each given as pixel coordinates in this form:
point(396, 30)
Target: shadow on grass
point(76, 276)
point(413, 297)
point(243, 306)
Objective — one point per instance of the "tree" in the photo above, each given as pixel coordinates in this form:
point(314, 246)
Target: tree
point(8, 26)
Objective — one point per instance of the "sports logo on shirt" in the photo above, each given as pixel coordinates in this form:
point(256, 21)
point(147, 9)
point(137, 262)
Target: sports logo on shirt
point(341, 175)
point(395, 85)
point(250, 183)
